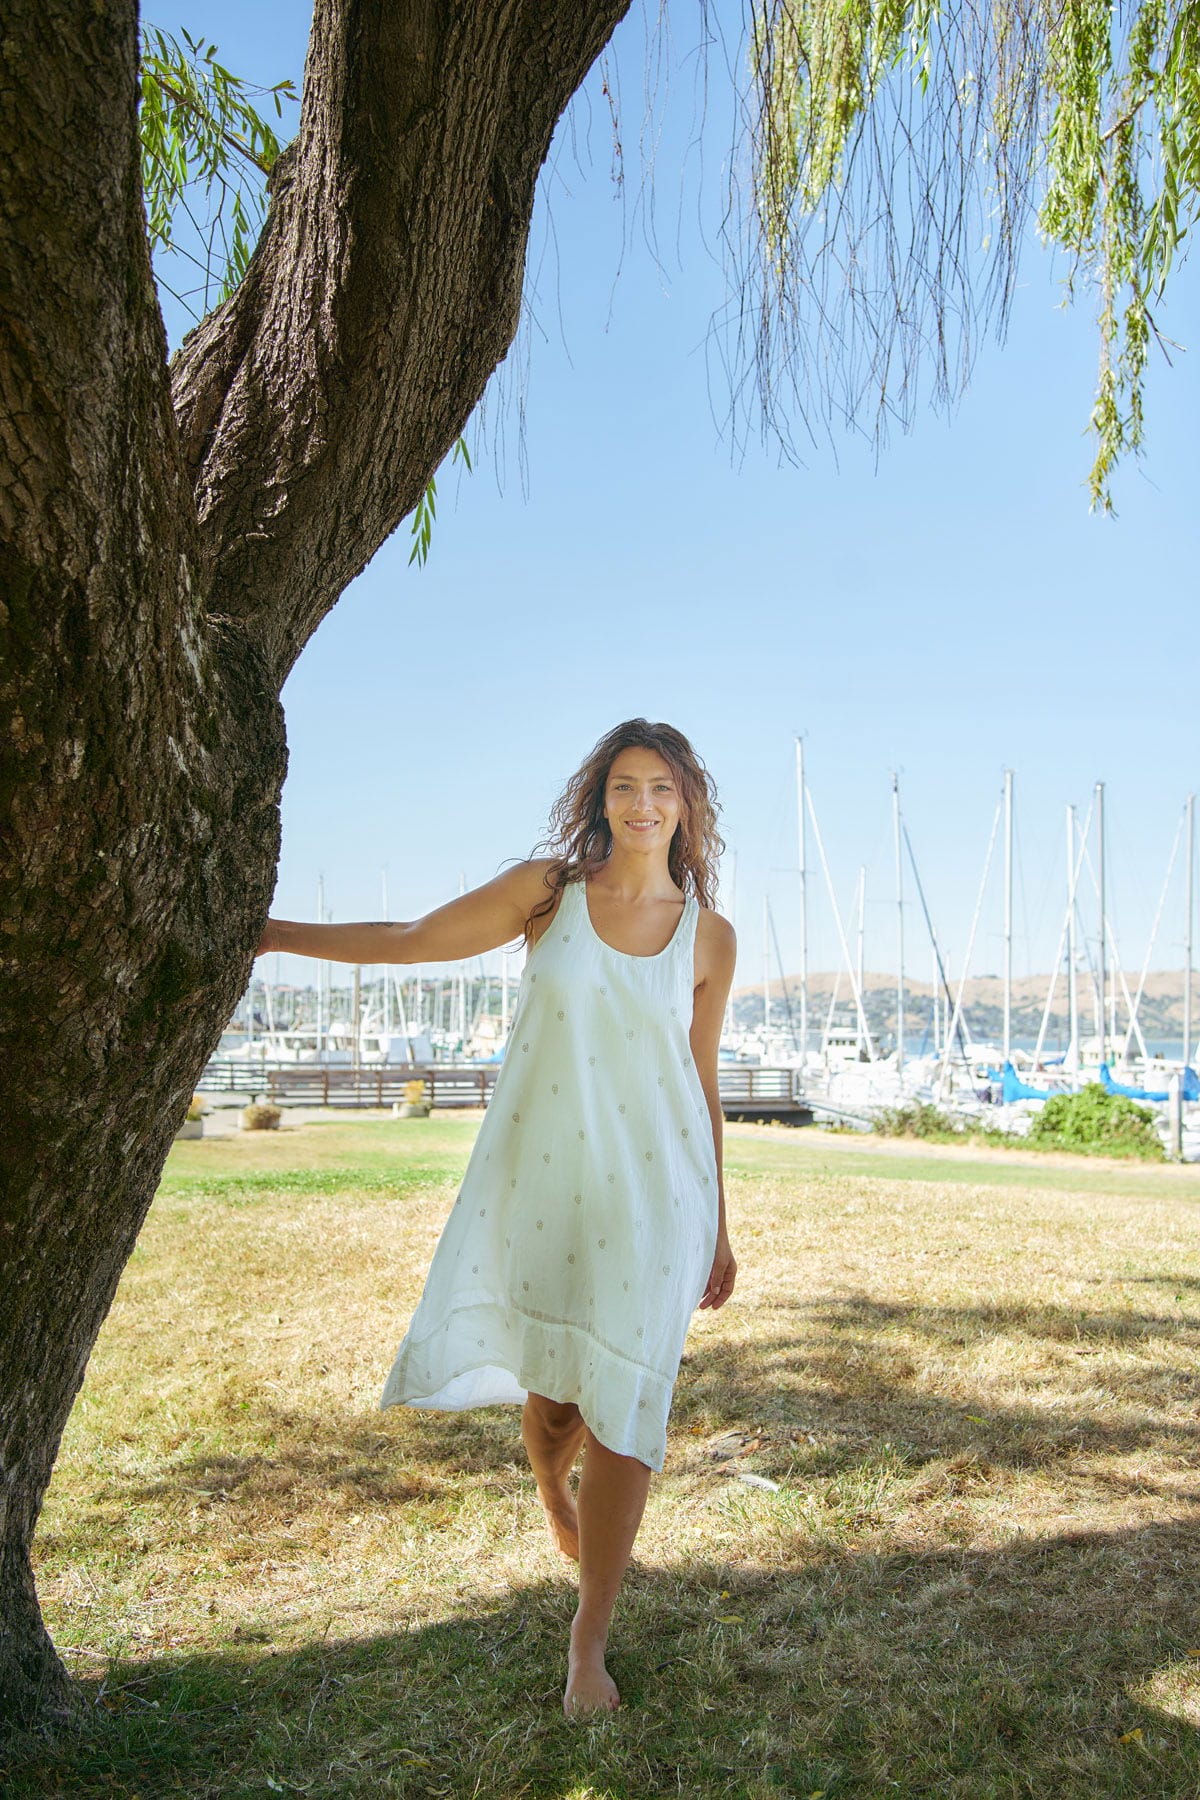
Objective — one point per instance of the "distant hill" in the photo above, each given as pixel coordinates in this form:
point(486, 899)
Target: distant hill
point(1160, 1013)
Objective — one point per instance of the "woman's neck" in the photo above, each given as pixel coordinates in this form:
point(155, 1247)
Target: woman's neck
point(632, 877)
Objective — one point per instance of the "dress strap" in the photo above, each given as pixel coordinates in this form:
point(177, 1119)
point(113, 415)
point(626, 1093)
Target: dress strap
point(685, 936)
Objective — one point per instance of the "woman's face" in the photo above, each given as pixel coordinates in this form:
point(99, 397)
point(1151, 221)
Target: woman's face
point(642, 802)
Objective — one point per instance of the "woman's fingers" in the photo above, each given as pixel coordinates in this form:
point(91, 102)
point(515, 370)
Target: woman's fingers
point(720, 1282)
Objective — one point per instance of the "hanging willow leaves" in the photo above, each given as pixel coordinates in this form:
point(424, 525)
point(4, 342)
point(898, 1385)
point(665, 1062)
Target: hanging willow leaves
point(901, 152)
point(206, 156)
point(425, 511)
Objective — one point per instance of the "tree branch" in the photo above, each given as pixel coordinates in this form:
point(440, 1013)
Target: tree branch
point(315, 405)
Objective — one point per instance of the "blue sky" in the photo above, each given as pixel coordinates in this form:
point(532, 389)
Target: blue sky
point(947, 608)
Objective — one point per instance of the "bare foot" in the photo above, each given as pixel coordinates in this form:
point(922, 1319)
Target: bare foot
point(590, 1687)
point(563, 1520)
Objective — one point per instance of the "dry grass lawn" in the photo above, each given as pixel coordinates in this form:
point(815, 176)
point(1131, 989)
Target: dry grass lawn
point(971, 1380)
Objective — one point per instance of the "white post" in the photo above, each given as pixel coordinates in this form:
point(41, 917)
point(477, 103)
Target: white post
point(803, 899)
point(1175, 1116)
point(1008, 895)
point(1072, 1056)
point(1187, 933)
point(899, 927)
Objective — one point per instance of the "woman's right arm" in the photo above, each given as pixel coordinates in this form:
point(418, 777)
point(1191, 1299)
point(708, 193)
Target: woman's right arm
point(482, 920)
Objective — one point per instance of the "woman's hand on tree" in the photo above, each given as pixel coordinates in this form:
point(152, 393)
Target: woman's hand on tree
point(722, 1276)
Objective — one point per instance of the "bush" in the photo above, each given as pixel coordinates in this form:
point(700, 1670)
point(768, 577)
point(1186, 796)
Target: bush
point(261, 1117)
point(916, 1120)
point(197, 1107)
point(1097, 1123)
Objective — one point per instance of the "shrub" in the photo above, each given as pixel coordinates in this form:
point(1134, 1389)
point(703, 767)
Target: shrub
point(197, 1107)
point(916, 1120)
point(261, 1116)
point(1097, 1122)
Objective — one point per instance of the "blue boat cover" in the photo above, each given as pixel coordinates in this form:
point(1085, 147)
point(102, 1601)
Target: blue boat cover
point(1016, 1089)
point(1189, 1087)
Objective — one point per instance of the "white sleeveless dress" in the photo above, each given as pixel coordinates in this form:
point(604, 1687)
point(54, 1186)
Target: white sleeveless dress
point(582, 1238)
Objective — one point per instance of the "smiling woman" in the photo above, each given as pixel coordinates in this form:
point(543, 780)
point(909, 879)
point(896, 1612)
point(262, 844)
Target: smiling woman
point(591, 1219)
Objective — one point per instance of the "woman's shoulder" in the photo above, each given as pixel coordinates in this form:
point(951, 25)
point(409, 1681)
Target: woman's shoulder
point(534, 876)
point(716, 940)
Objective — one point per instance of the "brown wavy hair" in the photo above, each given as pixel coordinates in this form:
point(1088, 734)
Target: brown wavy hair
point(579, 838)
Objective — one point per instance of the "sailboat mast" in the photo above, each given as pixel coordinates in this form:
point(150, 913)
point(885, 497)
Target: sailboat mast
point(1008, 909)
point(727, 1028)
point(322, 974)
point(1187, 933)
point(1103, 967)
point(766, 968)
point(803, 897)
point(387, 980)
point(862, 921)
point(1072, 987)
point(899, 926)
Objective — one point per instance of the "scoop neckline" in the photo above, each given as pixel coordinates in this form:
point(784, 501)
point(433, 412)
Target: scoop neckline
point(632, 955)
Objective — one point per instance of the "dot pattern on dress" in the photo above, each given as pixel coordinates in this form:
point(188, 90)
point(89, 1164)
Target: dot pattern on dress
point(562, 1015)
point(516, 1118)
point(554, 1087)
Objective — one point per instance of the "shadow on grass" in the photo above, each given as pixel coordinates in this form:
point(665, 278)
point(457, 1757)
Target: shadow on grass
point(851, 1372)
point(857, 1366)
point(1057, 1667)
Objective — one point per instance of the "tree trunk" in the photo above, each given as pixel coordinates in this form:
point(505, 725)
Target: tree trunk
point(168, 543)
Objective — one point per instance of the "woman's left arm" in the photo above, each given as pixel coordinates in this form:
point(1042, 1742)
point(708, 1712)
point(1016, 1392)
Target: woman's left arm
point(716, 949)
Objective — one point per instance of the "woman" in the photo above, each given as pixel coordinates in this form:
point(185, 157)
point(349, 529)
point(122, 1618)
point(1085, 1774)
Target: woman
point(591, 1220)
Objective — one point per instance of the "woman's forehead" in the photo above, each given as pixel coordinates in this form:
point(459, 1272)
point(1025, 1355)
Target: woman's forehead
point(641, 764)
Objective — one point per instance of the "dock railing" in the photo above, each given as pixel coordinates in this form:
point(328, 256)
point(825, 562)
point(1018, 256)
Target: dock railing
point(746, 1093)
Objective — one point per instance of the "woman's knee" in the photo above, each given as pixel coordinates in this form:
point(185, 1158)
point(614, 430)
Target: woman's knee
point(555, 1415)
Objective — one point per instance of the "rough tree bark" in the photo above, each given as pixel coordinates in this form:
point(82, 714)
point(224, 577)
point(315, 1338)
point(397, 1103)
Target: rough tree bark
point(169, 540)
